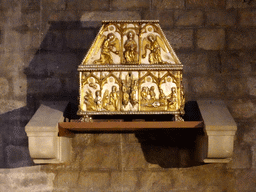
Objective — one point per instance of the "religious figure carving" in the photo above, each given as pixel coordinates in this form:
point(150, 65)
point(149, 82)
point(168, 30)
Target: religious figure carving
point(105, 100)
point(98, 100)
point(114, 99)
point(130, 46)
point(144, 93)
point(162, 98)
point(133, 94)
point(172, 99)
point(91, 83)
point(154, 45)
point(89, 100)
point(152, 93)
point(125, 99)
point(108, 44)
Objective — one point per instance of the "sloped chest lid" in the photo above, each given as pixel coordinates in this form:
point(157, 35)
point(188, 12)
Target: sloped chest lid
point(131, 43)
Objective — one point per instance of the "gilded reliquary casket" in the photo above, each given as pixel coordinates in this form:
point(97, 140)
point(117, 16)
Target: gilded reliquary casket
point(130, 69)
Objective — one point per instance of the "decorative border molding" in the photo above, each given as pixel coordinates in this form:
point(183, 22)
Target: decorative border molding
point(80, 112)
point(125, 67)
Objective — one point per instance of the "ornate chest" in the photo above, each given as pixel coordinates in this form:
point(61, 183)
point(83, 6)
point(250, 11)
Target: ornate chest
point(130, 69)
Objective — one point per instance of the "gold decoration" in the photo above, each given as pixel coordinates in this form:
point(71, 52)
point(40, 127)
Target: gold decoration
point(131, 69)
point(109, 44)
point(130, 46)
point(154, 44)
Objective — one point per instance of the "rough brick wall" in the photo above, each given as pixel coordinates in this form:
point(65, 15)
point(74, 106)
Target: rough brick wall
point(43, 41)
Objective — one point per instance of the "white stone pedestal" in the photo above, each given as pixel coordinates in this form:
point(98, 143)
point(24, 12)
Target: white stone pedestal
point(45, 145)
point(216, 146)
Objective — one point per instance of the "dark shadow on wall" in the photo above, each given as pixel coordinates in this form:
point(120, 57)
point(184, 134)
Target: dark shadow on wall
point(173, 148)
point(14, 144)
point(170, 148)
point(51, 76)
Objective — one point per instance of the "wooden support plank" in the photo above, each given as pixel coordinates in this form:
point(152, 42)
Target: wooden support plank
point(127, 126)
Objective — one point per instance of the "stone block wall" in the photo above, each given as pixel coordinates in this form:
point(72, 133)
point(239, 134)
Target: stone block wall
point(43, 41)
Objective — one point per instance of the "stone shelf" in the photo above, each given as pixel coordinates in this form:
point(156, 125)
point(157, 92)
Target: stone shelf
point(50, 138)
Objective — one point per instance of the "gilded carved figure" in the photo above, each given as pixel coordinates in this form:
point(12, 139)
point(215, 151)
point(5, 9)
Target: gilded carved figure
point(105, 100)
point(144, 93)
point(114, 99)
point(172, 99)
point(152, 93)
point(133, 94)
point(154, 44)
point(109, 44)
point(91, 83)
point(125, 99)
point(130, 46)
point(89, 100)
point(98, 100)
point(162, 97)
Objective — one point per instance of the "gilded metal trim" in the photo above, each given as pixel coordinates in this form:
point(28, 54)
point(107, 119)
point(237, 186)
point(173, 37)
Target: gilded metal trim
point(129, 67)
point(132, 113)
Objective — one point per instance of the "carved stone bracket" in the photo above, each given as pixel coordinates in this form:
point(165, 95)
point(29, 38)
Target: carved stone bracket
point(216, 146)
point(45, 144)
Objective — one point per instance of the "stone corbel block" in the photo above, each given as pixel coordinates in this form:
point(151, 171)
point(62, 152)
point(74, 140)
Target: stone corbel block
point(45, 144)
point(216, 145)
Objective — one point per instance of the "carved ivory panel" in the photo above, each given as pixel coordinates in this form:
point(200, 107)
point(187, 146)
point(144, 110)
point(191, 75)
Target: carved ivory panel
point(131, 69)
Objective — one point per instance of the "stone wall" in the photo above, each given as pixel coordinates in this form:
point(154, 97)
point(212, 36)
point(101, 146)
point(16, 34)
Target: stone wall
point(43, 41)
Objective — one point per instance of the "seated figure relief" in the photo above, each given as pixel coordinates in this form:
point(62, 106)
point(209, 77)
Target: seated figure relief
point(130, 46)
point(109, 44)
point(154, 44)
